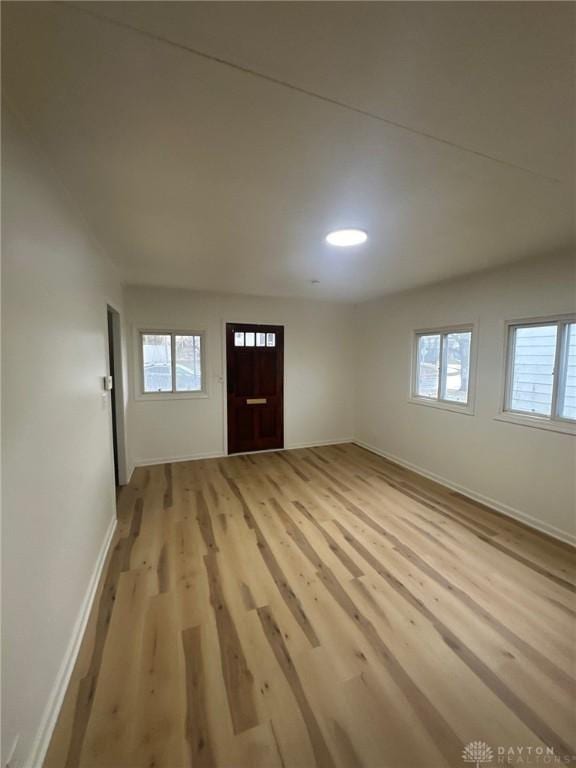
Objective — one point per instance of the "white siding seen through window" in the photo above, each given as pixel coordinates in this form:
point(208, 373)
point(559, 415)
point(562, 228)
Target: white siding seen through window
point(568, 393)
point(533, 369)
point(541, 380)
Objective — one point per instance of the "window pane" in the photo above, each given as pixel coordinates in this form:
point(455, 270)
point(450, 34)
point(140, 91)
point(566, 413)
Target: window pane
point(457, 351)
point(188, 363)
point(427, 374)
point(533, 369)
point(249, 339)
point(270, 339)
point(239, 338)
point(568, 394)
point(260, 339)
point(157, 359)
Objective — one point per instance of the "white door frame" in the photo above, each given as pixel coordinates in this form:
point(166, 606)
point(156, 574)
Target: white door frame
point(118, 384)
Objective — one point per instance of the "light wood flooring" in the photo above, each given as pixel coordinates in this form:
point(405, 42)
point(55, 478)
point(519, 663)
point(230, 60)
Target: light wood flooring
point(319, 607)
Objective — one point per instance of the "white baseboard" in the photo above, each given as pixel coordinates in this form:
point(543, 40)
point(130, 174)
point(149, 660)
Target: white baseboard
point(498, 506)
point(129, 472)
point(52, 709)
point(220, 454)
point(177, 459)
point(319, 443)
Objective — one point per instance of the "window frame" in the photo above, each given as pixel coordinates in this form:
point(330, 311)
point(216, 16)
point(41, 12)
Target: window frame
point(173, 394)
point(454, 406)
point(554, 422)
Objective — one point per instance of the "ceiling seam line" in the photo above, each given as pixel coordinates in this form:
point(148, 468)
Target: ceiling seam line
point(304, 91)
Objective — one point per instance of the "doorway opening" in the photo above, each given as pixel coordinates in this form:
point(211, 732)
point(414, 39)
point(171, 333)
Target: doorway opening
point(116, 395)
point(255, 387)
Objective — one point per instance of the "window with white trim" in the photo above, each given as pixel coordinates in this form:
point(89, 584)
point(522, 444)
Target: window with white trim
point(171, 362)
point(442, 367)
point(541, 370)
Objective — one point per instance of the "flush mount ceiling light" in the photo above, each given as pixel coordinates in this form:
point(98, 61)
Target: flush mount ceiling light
point(344, 238)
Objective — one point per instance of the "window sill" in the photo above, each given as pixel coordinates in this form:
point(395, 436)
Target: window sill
point(443, 405)
point(563, 427)
point(156, 396)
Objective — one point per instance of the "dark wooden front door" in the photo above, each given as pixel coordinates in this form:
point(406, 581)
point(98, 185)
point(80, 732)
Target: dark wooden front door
point(255, 375)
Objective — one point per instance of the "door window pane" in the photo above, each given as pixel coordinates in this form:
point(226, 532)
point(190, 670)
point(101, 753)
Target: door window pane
point(270, 339)
point(239, 339)
point(188, 363)
point(457, 355)
point(157, 361)
point(249, 339)
point(568, 394)
point(533, 359)
point(428, 366)
point(260, 339)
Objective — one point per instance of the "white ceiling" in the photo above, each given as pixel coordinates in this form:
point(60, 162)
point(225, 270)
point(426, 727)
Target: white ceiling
point(192, 172)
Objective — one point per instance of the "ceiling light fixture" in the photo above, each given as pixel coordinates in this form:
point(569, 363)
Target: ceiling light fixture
point(343, 238)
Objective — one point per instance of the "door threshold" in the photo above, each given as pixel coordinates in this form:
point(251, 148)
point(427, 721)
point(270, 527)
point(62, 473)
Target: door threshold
point(262, 450)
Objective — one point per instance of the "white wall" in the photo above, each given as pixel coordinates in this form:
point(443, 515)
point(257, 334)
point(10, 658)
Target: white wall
point(58, 496)
point(523, 470)
point(318, 371)
point(58, 493)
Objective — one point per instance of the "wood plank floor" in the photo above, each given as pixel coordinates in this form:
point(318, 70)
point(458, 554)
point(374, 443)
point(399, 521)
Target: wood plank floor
point(319, 607)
